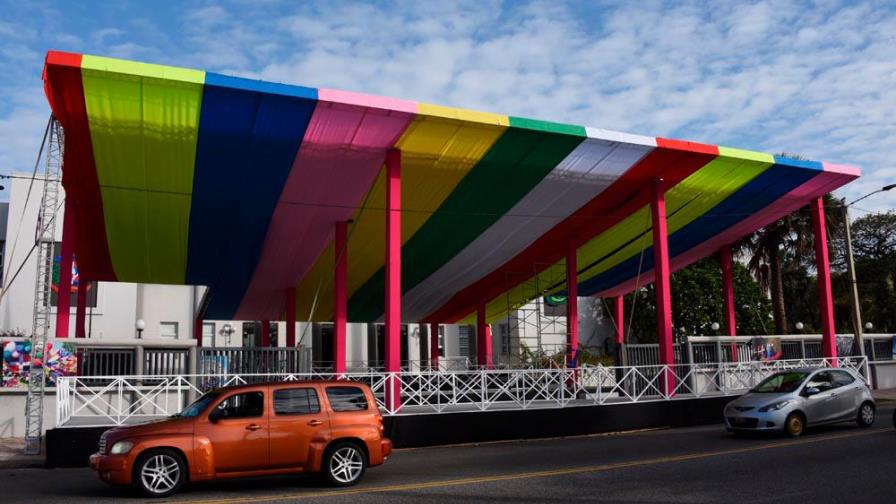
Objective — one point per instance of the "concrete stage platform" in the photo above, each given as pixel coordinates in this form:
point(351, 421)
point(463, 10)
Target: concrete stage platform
point(71, 446)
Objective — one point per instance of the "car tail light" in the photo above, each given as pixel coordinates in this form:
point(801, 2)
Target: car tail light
point(382, 426)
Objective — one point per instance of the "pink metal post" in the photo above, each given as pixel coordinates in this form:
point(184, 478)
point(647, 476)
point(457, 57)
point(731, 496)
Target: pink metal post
point(620, 320)
point(64, 293)
point(339, 297)
point(265, 333)
point(197, 331)
point(662, 283)
point(434, 346)
point(825, 297)
point(81, 310)
point(572, 307)
point(392, 316)
point(483, 339)
point(291, 318)
point(728, 291)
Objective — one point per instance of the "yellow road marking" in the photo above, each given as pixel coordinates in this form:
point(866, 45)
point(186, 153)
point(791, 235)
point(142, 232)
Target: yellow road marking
point(532, 474)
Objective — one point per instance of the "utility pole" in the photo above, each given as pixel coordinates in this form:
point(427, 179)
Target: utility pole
point(855, 306)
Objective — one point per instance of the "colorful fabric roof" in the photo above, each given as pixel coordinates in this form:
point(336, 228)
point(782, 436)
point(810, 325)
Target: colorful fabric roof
point(189, 177)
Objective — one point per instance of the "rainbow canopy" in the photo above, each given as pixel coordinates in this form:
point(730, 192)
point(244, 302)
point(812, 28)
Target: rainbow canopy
point(181, 176)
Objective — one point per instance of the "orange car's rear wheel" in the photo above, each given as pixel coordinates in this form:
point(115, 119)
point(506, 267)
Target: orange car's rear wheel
point(344, 464)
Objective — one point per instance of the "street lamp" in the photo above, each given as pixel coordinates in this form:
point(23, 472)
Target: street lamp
point(140, 325)
point(228, 331)
point(715, 326)
point(799, 326)
point(869, 326)
point(855, 308)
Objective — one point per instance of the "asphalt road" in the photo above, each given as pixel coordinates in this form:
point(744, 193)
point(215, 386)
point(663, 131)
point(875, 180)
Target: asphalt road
point(693, 465)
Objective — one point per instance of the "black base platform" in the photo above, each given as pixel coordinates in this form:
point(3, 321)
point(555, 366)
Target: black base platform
point(71, 447)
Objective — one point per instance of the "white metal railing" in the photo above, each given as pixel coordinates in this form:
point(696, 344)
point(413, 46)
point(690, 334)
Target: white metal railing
point(130, 399)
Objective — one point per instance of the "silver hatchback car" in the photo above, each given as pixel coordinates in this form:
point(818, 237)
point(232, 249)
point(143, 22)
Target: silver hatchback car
point(794, 399)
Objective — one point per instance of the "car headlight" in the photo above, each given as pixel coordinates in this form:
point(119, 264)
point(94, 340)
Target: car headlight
point(774, 407)
point(121, 447)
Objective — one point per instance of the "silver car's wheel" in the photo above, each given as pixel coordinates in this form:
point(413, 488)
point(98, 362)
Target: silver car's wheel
point(866, 415)
point(159, 473)
point(794, 425)
point(345, 464)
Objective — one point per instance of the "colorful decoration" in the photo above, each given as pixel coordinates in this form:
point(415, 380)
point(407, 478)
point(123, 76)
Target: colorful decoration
point(20, 356)
point(190, 177)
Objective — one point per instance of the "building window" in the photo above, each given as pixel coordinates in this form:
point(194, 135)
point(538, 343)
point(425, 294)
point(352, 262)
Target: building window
point(441, 340)
point(2, 257)
point(463, 341)
point(208, 334)
point(504, 332)
point(168, 330)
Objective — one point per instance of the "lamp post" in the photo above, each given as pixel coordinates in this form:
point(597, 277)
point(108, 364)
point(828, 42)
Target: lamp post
point(855, 307)
point(140, 325)
point(228, 331)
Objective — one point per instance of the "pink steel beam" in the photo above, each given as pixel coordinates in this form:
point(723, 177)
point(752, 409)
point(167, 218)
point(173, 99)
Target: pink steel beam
point(291, 317)
point(483, 339)
point(728, 291)
point(434, 346)
point(572, 306)
point(340, 309)
point(620, 320)
point(662, 282)
point(392, 318)
point(265, 333)
point(825, 297)
point(64, 293)
point(81, 310)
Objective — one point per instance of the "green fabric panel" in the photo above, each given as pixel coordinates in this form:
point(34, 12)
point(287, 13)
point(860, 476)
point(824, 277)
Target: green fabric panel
point(546, 126)
point(518, 161)
point(144, 126)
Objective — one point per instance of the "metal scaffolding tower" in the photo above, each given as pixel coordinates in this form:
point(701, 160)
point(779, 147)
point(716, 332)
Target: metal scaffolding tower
point(45, 238)
point(537, 329)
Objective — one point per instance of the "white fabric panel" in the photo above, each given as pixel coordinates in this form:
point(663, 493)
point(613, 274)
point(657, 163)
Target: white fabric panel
point(582, 175)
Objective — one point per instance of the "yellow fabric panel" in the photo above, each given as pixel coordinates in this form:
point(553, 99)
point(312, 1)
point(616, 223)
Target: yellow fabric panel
point(427, 109)
point(144, 123)
point(437, 152)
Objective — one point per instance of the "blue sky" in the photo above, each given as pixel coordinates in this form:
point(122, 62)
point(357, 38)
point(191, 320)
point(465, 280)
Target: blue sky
point(814, 78)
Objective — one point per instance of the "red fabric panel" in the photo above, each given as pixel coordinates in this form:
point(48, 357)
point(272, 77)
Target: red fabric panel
point(672, 160)
point(65, 93)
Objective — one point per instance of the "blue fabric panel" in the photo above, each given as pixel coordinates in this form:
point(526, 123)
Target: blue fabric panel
point(750, 199)
point(249, 134)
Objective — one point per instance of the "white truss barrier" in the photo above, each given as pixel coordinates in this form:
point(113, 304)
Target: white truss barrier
point(118, 400)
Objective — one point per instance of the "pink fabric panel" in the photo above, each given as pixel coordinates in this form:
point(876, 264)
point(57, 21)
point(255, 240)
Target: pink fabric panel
point(343, 150)
point(843, 169)
point(823, 183)
point(366, 100)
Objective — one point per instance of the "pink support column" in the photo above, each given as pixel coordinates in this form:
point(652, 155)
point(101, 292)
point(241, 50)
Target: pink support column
point(291, 318)
point(197, 331)
point(572, 307)
point(662, 284)
point(265, 333)
point(339, 297)
point(392, 318)
point(81, 310)
point(64, 294)
point(728, 291)
point(434, 346)
point(483, 339)
point(825, 297)
point(620, 320)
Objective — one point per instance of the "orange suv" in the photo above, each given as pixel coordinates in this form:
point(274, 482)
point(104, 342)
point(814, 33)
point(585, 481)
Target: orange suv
point(331, 428)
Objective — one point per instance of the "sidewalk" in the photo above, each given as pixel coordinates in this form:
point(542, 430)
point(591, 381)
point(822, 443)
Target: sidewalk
point(885, 395)
point(11, 456)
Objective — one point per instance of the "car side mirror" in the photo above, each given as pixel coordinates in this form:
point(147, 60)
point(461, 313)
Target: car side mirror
point(810, 391)
point(215, 415)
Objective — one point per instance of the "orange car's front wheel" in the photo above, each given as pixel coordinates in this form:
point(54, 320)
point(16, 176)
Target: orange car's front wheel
point(160, 473)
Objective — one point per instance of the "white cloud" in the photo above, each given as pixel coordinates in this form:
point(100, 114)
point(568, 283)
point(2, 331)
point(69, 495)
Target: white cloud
point(816, 78)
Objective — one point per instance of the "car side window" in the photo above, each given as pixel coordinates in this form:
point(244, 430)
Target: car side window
point(296, 401)
point(245, 405)
point(842, 378)
point(822, 381)
point(347, 398)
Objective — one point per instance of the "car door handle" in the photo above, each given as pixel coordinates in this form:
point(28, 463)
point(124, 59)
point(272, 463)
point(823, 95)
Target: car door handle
point(253, 427)
point(315, 423)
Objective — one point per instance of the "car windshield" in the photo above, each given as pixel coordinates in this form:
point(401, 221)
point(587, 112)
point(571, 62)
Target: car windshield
point(199, 405)
point(787, 381)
